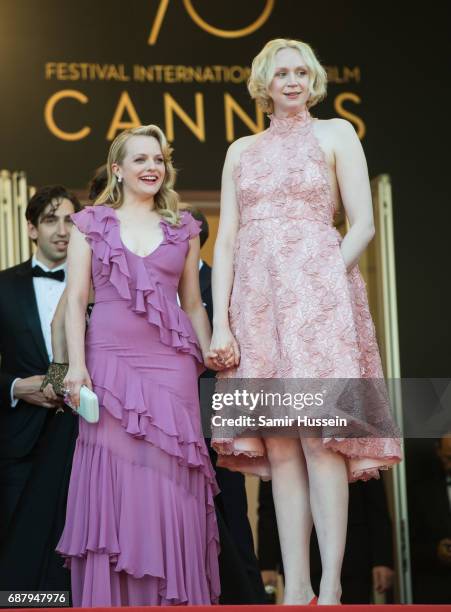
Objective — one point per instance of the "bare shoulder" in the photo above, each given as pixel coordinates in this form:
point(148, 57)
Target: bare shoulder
point(240, 145)
point(334, 127)
point(78, 239)
point(337, 136)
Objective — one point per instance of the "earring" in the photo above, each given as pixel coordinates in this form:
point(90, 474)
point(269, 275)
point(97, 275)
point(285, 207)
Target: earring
point(119, 179)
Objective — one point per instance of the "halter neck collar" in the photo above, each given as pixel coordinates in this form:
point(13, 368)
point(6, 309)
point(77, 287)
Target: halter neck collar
point(290, 123)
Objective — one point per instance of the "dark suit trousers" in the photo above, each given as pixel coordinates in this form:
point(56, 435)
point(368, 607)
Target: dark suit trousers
point(27, 555)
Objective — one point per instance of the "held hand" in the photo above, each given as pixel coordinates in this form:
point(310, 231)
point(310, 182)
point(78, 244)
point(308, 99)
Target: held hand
point(269, 578)
point(49, 392)
point(382, 578)
point(224, 345)
point(444, 551)
point(29, 390)
point(74, 380)
point(211, 361)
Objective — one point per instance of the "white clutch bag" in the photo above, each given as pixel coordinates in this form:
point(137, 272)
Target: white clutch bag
point(89, 405)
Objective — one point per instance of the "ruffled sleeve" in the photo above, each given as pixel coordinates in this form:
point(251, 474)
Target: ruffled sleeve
point(186, 229)
point(192, 225)
point(144, 293)
point(83, 219)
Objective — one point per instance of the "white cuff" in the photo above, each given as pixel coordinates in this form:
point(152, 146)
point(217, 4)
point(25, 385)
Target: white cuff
point(14, 400)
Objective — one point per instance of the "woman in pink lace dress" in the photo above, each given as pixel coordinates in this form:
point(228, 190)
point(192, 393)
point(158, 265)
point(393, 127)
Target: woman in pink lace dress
point(290, 302)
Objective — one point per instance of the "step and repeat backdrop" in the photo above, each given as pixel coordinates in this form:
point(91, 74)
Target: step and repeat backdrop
point(74, 74)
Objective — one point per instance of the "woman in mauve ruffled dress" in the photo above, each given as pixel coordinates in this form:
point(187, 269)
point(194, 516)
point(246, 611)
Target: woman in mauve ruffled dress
point(290, 303)
point(140, 526)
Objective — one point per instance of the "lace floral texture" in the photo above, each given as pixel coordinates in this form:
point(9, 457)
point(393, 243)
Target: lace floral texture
point(295, 310)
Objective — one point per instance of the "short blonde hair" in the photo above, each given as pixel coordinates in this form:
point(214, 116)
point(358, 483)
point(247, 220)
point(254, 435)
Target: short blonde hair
point(166, 200)
point(262, 72)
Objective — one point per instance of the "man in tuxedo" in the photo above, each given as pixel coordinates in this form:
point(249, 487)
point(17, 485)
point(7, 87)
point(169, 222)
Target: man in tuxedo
point(242, 583)
point(429, 497)
point(204, 268)
point(37, 435)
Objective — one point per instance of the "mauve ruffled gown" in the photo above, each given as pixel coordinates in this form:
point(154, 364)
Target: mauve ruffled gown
point(295, 310)
point(141, 525)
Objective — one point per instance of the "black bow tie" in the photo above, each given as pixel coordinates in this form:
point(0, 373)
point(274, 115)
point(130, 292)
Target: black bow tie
point(58, 275)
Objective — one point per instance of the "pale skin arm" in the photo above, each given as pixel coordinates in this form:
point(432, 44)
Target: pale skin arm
point(191, 302)
point(78, 284)
point(353, 180)
point(59, 345)
point(223, 341)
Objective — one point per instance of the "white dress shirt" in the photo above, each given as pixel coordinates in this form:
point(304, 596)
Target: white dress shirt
point(48, 293)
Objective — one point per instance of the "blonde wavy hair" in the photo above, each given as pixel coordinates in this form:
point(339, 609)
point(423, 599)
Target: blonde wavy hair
point(166, 200)
point(262, 72)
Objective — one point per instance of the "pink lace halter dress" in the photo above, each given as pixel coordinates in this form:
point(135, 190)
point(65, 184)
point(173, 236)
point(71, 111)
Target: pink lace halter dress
point(295, 310)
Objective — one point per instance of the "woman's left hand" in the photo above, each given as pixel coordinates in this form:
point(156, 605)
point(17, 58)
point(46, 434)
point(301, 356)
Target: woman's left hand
point(75, 378)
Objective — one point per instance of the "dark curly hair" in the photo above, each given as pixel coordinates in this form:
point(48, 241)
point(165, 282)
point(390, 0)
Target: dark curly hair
point(98, 183)
point(45, 196)
point(205, 229)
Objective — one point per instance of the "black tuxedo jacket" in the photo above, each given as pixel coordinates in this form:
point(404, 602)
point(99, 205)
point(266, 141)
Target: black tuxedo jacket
point(205, 289)
point(36, 449)
point(23, 353)
point(429, 522)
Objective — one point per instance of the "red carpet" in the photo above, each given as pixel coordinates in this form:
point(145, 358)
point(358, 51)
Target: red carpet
point(373, 608)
